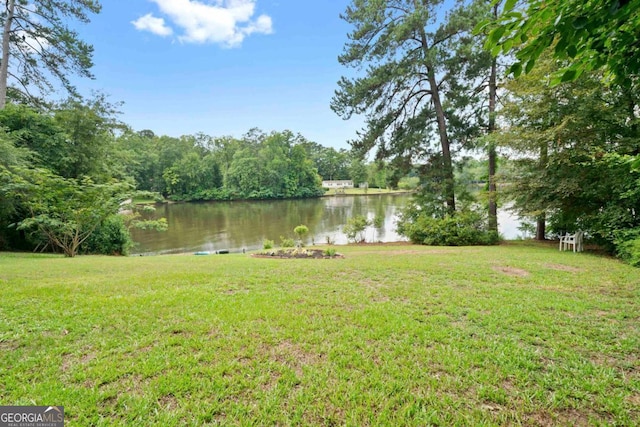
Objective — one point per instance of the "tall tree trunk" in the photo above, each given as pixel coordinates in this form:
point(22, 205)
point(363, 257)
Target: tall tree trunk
point(4, 65)
point(493, 89)
point(493, 199)
point(449, 190)
point(541, 226)
point(541, 220)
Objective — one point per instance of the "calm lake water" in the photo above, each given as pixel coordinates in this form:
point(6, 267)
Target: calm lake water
point(213, 226)
point(234, 226)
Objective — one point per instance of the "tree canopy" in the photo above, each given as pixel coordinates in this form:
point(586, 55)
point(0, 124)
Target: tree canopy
point(37, 43)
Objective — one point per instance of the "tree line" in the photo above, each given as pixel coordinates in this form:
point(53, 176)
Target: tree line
point(257, 165)
point(68, 169)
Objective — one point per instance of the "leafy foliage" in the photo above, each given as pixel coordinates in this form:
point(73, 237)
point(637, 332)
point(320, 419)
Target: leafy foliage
point(268, 244)
point(588, 34)
point(287, 242)
point(74, 140)
point(332, 164)
point(111, 237)
point(355, 228)
point(576, 144)
point(330, 252)
point(276, 166)
point(65, 212)
point(462, 229)
point(301, 231)
point(627, 244)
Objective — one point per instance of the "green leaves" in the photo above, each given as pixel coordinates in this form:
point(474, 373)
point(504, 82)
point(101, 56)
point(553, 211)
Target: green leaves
point(496, 34)
point(67, 211)
point(590, 34)
point(529, 66)
point(509, 5)
point(516, 69)
point(580, 22)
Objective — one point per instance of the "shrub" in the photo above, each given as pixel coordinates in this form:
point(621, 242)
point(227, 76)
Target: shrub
point(355, 227)
point(268, 244)
point(378, 221)
point(286, 242)
point(627, 245)
point(112, 237)
point(330, 252)
point(301, 231)
point(462, 229)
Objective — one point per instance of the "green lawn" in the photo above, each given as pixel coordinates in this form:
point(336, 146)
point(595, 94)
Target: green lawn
point(390, 335)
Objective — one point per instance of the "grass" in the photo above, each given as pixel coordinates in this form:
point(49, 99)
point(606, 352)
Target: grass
point(144, 201)
point(390, 335)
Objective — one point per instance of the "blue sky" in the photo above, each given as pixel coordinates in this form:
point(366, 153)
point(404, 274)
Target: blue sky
point(222, 67)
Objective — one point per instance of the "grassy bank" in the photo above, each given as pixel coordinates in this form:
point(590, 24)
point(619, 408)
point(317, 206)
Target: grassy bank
point(390, 335)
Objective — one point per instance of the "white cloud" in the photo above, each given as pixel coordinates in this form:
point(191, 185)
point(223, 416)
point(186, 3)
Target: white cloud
point(224, 22)
point(152, 24)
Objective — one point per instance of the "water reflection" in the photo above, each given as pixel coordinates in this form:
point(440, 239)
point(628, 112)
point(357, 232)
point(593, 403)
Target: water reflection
point(241, 225)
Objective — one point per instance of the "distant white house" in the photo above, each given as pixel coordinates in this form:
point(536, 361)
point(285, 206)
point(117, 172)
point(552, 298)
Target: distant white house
point(338, 184)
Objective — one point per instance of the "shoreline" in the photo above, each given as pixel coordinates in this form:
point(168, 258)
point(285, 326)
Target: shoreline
point(329, 193)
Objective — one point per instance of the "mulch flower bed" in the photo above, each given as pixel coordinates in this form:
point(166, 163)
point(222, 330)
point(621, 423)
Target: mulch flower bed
point(297, 253)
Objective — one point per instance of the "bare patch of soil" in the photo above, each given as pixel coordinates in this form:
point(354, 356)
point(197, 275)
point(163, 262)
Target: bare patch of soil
point(634, 399)
point(293, 356)
point(566, 417)
point(511, 271)
point(70, 360)
point(168, 402)
point(9, 345)
point(296, 253)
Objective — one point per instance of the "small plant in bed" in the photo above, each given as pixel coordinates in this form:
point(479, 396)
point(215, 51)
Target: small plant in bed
point(330, 252)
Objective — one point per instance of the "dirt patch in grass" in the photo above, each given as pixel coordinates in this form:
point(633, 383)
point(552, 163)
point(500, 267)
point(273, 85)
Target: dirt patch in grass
point(9, 345)
point(293, 356)
point(233, 291)
point(73, 360)
point(147, 348)
point(511, 271)
point(567, 417)
point(561, 267)
point(296, 253)
point(168, 402)
point(634, 399)
point(135, 385)
point(626, 365)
